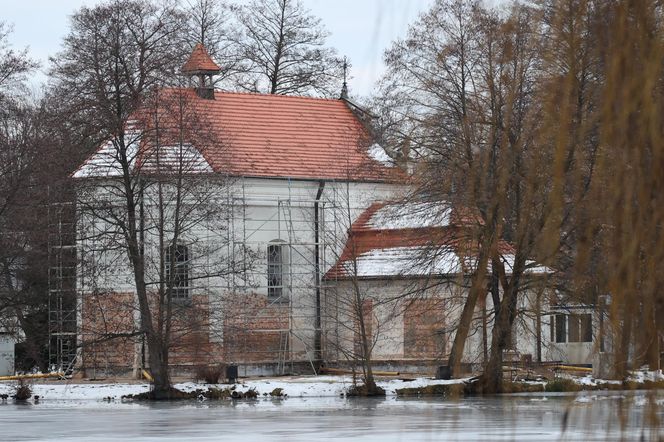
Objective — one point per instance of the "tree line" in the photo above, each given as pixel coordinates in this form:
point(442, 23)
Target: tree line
point(542, 117)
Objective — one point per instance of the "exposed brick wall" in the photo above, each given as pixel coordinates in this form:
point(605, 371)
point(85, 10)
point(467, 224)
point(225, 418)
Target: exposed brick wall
point(254, 330)
point(106, 327)
point(423, 324)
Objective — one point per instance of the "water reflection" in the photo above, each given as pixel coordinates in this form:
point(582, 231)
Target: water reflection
point(594, 416)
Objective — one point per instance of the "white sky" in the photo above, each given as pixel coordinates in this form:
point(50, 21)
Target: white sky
point(360, 30)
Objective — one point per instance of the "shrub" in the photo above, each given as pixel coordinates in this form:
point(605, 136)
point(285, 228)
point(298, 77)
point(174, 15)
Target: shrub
point(210, 374)
point(22, 391)
point(562, 385)
point(445, 390)
point(363, 391)
point(277, 392)
point(249, 394)
point(217, 393)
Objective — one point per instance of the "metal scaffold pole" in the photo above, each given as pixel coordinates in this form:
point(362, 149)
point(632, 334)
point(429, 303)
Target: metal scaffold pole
point(62, 302)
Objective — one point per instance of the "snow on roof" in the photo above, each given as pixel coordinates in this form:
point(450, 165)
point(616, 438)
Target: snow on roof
point(531, 266)
point(377, 152)
point(182, 159)
point(404, 261)
point(410, 215)
point(416, 239)
point(105, 162)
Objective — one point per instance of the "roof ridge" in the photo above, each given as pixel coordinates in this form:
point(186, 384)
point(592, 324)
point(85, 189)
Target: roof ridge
point(260, 94)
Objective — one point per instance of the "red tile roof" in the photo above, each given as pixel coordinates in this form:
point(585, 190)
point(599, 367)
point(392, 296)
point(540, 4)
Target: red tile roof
point(414, 235)
point(277, 136)
point(200, 62)
point(284, 136)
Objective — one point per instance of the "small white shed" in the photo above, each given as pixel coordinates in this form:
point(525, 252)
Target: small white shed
point(7, 343)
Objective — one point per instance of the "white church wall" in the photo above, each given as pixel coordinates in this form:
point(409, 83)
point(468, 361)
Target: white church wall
point(257, 211)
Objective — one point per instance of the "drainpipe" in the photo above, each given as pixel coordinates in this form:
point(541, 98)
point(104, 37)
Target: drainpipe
point(318, 353)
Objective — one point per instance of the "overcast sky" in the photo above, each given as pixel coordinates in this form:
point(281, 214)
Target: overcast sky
point(360, 29)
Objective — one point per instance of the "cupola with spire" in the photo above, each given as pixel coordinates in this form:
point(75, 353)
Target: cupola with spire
point(201, 65)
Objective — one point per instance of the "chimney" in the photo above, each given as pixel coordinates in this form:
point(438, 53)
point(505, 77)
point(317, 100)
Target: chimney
point(200, 65)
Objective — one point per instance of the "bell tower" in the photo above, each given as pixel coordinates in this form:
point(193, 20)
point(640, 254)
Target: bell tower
point(201, 69)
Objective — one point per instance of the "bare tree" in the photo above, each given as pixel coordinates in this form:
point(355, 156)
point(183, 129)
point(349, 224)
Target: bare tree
point(22, 269)
point(436, 72)
point(209, 23)
point(351, 324)
point(283, 49)
point(113, 56)
point(471, 75)
point(176, 244)
point(14, 65)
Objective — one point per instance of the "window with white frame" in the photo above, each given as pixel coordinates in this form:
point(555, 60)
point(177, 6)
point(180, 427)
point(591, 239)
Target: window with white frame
point(575, 327)
point(177, 257)
point(276, 265)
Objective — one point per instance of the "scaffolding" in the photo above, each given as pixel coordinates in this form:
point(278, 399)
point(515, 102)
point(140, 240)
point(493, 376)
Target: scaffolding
point(62, 302)
point(288, 324)
point(289, 219)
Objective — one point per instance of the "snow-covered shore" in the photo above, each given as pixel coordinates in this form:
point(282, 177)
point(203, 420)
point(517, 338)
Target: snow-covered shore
point(292, 386)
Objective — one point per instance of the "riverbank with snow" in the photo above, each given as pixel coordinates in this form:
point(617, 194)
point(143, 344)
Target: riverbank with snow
point(291, 386)
point(315, 386)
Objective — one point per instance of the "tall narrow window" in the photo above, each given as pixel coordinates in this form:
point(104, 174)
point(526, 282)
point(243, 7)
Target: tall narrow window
point(586, 327)
point(561, 328)
point(573, 328)
point(275, 270)
point(177, 255)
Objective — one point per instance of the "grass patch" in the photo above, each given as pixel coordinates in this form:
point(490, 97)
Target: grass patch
point(559, 385)
point(522, 387)
point(211, 393)
point(562, 385)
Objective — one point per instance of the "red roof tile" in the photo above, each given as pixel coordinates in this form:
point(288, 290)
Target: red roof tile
point(284, 136)
point(200, 62)
point(277, 136)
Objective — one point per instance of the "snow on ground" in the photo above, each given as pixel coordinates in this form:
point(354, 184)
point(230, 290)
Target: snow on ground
point(639, 376)
point(304, 386)
point(644, 375)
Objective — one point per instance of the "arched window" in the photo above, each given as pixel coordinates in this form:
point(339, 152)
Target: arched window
point(276, 263)
point(178, 255)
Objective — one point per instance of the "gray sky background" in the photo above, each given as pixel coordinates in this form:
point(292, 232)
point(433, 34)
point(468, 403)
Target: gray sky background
point(360, 30)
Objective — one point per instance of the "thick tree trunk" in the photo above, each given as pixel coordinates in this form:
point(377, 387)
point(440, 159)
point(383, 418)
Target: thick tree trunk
point(477, 288)
point(161, 388)
point(370, 387)
point(492, 379)
point(157, 351)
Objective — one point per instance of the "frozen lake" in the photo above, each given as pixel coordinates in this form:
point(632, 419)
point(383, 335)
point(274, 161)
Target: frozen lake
point(591, 417)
